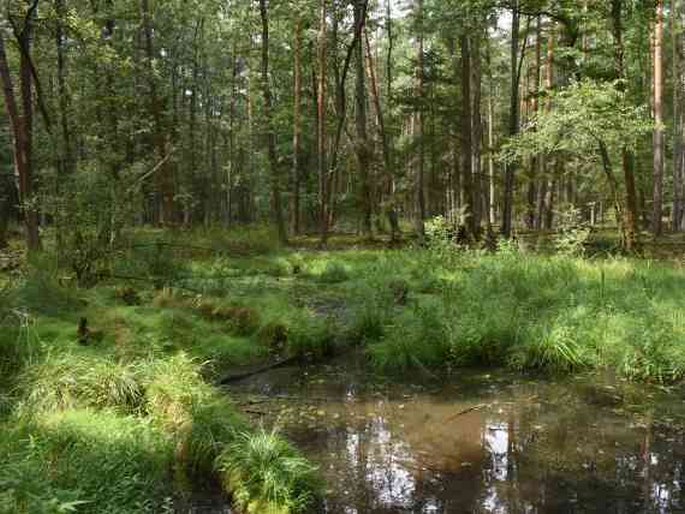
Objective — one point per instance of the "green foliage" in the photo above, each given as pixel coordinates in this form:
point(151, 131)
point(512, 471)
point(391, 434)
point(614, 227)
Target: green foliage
point(267, 475)
point(585, 114)
point(554, 314)
point(438, 234)
point(72, 381)
point(573, 234)
point(334, 272)
point(85, 461)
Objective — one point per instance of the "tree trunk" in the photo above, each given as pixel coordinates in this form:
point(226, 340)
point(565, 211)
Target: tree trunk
point(362, 147)
point(658, 176)
point(420, 200)
point(477, 127)
point(509, 178)
point(67, 163)
point(297, 129)
point(387, 192)
point(22, 133)
point(629, 234)
point(536, 163)
point(321, 124)
point(466, 138)
point(164, 177)
point(276, 205)
point(678, 118)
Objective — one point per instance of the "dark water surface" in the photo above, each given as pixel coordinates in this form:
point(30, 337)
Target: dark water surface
point(479, 442)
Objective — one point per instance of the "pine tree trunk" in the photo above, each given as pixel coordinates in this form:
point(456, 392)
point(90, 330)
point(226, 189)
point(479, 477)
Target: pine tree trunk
point(477, 127)
point(466, 137)
point(417, 132)
point(657, 212)
point(297, 129)
point(276, 202)
point(510, 175)
point(536, 162)
point(362, 147)
point(164, 178)
point(321, 124)
point(22, 134)
point(678, 214)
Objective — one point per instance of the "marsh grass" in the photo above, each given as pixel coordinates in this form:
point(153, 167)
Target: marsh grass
point(550, 314)
point(135, 408)
point(267, 475)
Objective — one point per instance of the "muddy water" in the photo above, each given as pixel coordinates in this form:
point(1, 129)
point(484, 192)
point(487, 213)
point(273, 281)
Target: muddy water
point(478, 442)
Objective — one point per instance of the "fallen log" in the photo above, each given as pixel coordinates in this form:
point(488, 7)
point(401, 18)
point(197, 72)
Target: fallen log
point(258, 371)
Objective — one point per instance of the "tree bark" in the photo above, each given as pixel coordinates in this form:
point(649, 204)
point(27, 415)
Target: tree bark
point(678, 213)
point(510, 174)
point(276, 203)
point(362, 146)
point(536, 162)
point(164, 177)
point(417, 133)
point(629, 234)
point(321, 124)
point(22, 131)
point(658, 178)
point(297, 128)
point(467, 177)
point(477, 127)
point(67, 162)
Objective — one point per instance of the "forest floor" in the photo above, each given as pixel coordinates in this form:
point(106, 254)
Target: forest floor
point(125, 413)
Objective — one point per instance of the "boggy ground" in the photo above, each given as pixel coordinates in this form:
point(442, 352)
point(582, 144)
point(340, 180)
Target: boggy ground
point(122, 416)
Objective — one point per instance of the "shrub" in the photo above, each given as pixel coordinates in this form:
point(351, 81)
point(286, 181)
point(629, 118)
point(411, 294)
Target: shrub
point(574, 233)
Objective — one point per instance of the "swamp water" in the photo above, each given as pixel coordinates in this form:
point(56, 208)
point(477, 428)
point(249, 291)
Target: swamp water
point(480, 442)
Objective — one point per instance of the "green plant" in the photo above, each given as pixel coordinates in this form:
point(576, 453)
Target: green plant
point(573, 234)
point(267, 475)
point(72, 381)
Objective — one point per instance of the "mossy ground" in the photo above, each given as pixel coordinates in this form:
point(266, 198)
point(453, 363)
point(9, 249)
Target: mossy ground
point(126, 421)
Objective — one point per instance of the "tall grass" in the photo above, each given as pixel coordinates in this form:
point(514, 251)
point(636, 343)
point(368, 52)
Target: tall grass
point(553, 314)
point(267, 475)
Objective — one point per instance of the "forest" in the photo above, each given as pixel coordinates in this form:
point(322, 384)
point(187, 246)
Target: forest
point(342, 256)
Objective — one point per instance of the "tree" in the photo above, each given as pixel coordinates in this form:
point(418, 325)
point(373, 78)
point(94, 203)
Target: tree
point(657, 214)
point(22, 123)
point(270, 134)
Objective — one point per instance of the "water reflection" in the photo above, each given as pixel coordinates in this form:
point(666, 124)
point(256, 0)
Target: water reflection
point(517, 447)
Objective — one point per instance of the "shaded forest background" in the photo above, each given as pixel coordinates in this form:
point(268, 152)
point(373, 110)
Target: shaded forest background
point(351, 115)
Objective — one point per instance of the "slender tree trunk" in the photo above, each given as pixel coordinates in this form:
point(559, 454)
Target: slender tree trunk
point(477, 127)
point(392, 207)
point(536, 161)
point(67, 163)
point(548, 183)
point(510, 174)
point(297, 128)
point(678, 117)
point(22, 133)
point(420, 199)
point(629, 235)
point(658, 178)
point(5, 206)
point(466, 137)
point(362, 146)
point(164, 177)
point(276, 204)
point(382, 134)
point(492, 199)
point(321, 124)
